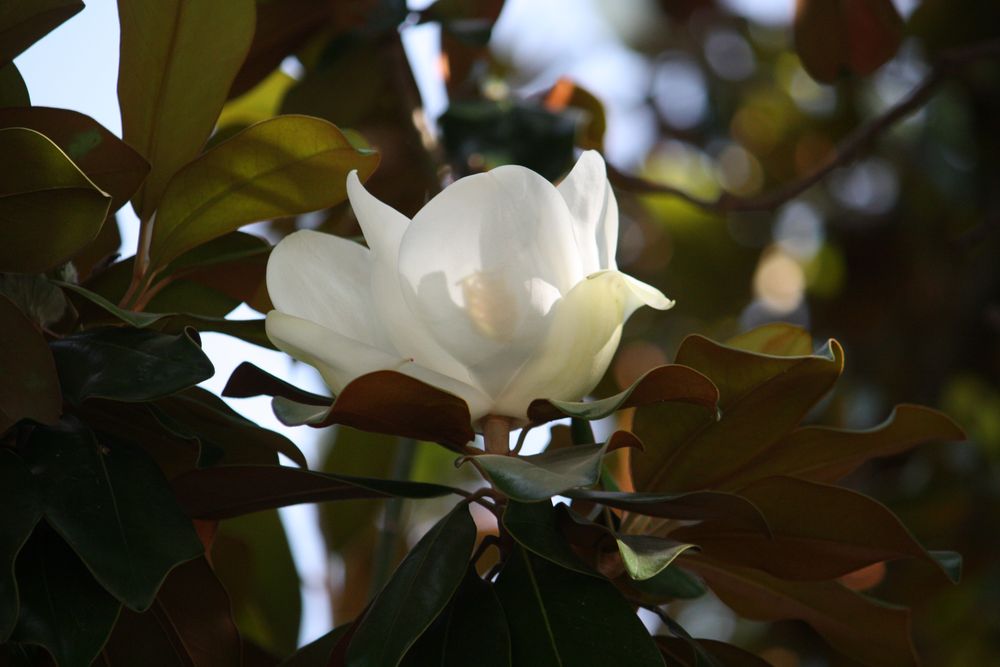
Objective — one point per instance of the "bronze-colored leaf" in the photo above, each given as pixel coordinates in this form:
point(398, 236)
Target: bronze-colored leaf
point(834, 37)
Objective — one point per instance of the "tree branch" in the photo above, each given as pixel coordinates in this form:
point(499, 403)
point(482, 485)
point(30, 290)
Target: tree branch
point(849, 149)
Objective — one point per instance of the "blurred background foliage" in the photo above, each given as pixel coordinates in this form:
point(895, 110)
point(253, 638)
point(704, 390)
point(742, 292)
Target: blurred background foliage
point(716, 103)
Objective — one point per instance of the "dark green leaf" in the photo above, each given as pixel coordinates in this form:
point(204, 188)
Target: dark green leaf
point(418, 591)
point(317, 653)
point(36, 296)
point(279, 167)
point(29, 386)
point(539, 477)
point(662, 384)
point(560, 617)
point(251, 331)
point(128, 364)
point(24, 22)
point(228, 491)
point(115, 510)
point(472, 630)
point(950, 562)
point(22, 509)
point(62, 608)
point(178, 60)
point(535, 526)
point(49, 209)
point(646, 556)
point(670, 584)
point(693, 652)
point(190, 624)
point(693, 506)
point(13, 92)
point(863, 629)
point(248, 380)
point(762, 398)
point(110, 163)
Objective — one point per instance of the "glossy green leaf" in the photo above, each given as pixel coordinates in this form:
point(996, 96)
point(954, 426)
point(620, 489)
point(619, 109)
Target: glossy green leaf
point(251, 331)
point(49, 209)
point(539, 477)
point(418, 591)
point(24, 22)
point(818, 532)
point(29, 385)
point(560, 617)
point(535, 526)
point(692, 506)
point(178, 60)
point(778, 339)
point(762, 398)
point(876, 634)
point(276, 168)
point(823, 454)
point(128, 364)
point(22, 509)
point(646, 556)
point(673, 583)
point(114, 508)
point(114, 166)
point(62, 608)
point(190, 623)
point(227, 491)
point(251, 558)
point(472, 630)
point(662, 384)
point(13, 92)
point(291, 413)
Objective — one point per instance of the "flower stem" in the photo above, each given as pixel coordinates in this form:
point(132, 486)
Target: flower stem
point(496, 434)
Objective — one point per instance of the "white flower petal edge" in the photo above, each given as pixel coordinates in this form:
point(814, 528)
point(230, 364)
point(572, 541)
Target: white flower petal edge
point(592, 202)
point(340, 359)
point(581, 341)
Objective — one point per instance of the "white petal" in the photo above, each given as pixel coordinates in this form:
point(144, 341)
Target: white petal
point(586, 327)
point(383, 228)
point(325, 279)
point(483, 262)
point(340, 359)
point(590, 199)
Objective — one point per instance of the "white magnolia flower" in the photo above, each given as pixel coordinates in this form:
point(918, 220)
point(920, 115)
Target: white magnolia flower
point(501, 290)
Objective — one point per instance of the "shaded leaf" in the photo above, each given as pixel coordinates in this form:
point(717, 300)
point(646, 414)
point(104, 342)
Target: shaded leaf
point(646, 556)
point(22, 510)
point(49, 209)
point(778, 339)
point(248, 380)
point(115, 510)
point(251, 331)
point(109, 162)
point(661, 384)
point(472, 630)
point(24, 22)
point(62, 608)
point(178, 60)
point(673, 583)
point(824, 454)
point(685, 655)
point(861, 628)
point(228, 491)
point(317, 652)
point(13, 92)
point(190, 623)
point(36, 296)
point(762, 398)
point(560, 617)
point(417, 592)
point(835, 37)
point(29, 386)
point(541, 476)
point(128, 364)
point(692, 506)
point(818, 532)
point(279, 167)
point(535, 526)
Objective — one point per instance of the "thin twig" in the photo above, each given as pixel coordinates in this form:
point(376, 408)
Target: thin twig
point(849, 149)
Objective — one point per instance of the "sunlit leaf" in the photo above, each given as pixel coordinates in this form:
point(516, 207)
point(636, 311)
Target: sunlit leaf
point(278, 167)
point(62, 607)
point(22, 509)
point(126, 364)
point(876, 634)
point(29, 386)
point(418, 591)
point(665, 383)
point(49, 209)
point(114, 166)
point(646, 556)
point(24, 22)
point(178, 60)
point(560, 617)
point(115, 510)
point(778, 339)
